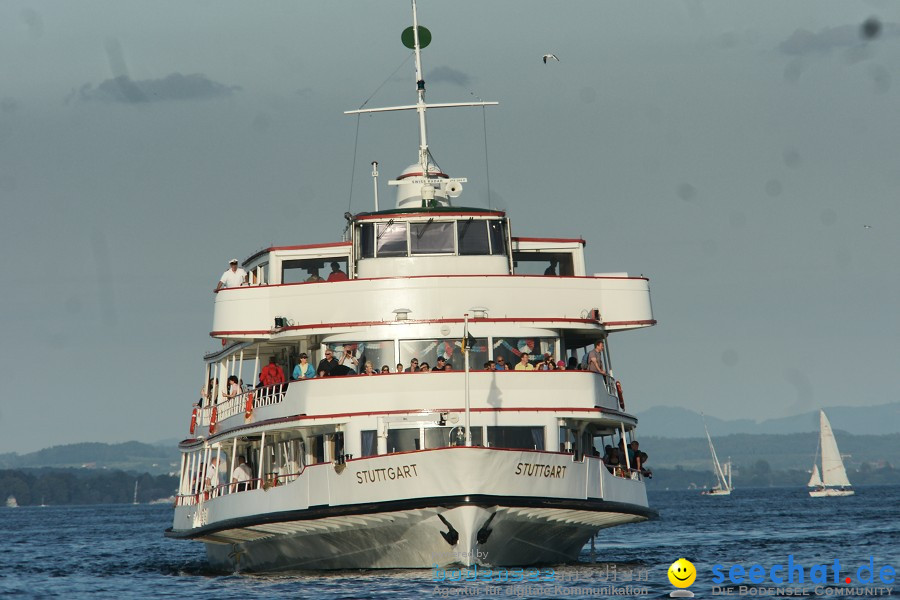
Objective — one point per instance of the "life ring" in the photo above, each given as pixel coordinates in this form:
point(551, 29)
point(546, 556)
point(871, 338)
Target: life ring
point(214, 417)
point(621, 396)
point(248, 406)
point(193, 421)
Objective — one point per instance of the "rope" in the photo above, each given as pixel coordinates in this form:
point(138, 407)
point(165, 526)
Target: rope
point(356, 138)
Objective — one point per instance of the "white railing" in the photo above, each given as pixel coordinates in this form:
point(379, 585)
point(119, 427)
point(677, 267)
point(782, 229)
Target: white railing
point(207, 492)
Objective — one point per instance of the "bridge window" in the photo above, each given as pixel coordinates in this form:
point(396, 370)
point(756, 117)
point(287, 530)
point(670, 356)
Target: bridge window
point(391, 239)
point(497, 233)
point(472, 236)
point(366, 240)
point(432, 237)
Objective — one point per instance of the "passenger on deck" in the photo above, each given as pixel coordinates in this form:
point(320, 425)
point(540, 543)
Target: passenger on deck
point(241, 476)
point(595, 359)
point(611, 458)
point(572, 364)
point(551, 270)
point(314, 275)
point(327, 365)
point(336, 273)
point(212, 481)
point(640, 459)
point(425, 368)
point(233, 277)
point(209, 394)
point(385, 369)
point(413, 366)
point(272, 373)
point(303, 370)
point(441, 365)
point(489, 365)
point(560, 365)
point(399, 368)
point(234, 388)
point(369, 369)
point(349, 360)
point(500, 363)
point(524, 365)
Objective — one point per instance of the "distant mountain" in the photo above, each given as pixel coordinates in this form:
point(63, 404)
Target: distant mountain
point(672, 422)
point(128, 456)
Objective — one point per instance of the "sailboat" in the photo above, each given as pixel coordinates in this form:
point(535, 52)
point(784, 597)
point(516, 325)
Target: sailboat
point(135, 492)
point(833, 479)
point(723, 472)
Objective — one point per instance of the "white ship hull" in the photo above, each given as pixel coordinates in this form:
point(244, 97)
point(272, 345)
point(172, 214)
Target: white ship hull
point(460, 507)
point(716, 493)
point(830, 492)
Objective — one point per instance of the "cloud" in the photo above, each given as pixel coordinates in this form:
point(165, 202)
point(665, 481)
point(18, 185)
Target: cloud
point(33, 22)
point(803, 41)
point(174, 86)
point(448, 75)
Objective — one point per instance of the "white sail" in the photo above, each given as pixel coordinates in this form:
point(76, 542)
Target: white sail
point(717, 468)
point(815, 480)
point(833, 472)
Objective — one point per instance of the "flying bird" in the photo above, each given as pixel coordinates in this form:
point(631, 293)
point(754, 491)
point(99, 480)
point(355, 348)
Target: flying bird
point(867, 227)
point(550, 57)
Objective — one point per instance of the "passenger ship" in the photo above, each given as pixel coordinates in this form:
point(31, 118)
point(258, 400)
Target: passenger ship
point(414, 469)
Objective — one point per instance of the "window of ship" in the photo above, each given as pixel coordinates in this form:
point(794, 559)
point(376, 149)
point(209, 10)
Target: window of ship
point(527, 438)
point(497, 235)
point(368, 442)
point(511, 349)
point(431, 237)
point(442, 437)
point(543, 263)
point(306, 269)
point(403, 440)
point(428, 351)
point(390, 239)
point(366, 240)
point(472, 237)
point(378, 352)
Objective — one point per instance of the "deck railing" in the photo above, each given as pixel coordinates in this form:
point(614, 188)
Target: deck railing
point(208, 492)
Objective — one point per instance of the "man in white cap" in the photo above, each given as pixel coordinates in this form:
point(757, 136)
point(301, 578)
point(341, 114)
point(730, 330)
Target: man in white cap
point(233, 277)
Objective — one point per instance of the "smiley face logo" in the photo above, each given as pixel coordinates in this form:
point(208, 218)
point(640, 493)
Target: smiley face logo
point(682, 573)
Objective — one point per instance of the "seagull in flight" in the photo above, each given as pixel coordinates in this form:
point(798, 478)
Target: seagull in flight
point(550, 57)
point(867, 227)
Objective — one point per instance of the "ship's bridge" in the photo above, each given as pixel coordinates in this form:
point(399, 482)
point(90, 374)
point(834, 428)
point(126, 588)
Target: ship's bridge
point(427, 265)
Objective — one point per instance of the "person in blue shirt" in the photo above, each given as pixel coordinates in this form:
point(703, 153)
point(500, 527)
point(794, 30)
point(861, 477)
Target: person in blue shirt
point(303, 370)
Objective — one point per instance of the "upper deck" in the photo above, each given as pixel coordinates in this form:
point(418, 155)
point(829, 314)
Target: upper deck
point(427, 266)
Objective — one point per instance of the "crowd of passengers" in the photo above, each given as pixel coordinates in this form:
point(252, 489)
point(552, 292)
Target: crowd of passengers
point(614, 458)
point(348, 364)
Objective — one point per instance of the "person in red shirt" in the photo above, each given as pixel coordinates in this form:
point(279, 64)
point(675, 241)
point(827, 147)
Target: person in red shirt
point(336, 273)
point(271, 373)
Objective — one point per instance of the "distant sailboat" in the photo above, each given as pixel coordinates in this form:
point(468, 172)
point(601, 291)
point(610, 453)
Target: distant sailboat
point(833, 479)
point(135, 492)
point(11, 502)
point(723, 486)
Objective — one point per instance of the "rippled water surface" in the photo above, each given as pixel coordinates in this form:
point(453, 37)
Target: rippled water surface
point(119, 551)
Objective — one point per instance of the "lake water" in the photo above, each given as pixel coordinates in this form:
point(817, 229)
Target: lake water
point(119, 551)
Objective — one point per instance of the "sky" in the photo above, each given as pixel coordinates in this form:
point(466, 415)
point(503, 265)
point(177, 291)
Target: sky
point(733, 152)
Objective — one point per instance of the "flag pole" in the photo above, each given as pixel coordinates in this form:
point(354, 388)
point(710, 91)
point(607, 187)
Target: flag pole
point(466, 353)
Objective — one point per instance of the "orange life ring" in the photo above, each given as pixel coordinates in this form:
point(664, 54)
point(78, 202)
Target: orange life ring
point(248, 406)
point(621, 396)
point(212, 419)
point(193, 421)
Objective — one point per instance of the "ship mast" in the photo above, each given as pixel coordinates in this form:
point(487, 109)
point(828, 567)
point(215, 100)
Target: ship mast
point(420, 187)
point(420, 92)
